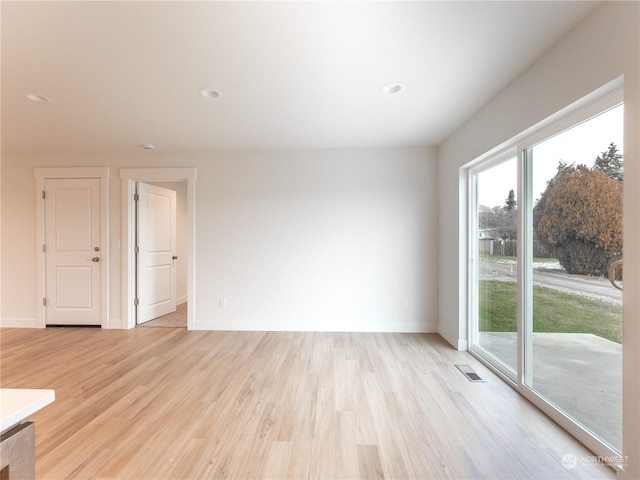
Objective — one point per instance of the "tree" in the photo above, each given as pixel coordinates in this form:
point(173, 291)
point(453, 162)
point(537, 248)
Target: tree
point(579, 219)
point(510, 202)
point(508, 218)
point(501, 219)
point(562, 166)
point(609, 162)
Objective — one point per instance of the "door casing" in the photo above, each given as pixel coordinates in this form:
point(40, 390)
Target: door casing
point(129, 177)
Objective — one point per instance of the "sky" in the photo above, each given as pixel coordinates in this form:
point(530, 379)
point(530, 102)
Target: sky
point(579, 145)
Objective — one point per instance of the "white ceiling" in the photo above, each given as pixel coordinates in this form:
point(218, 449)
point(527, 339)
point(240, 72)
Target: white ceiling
point(292, 74)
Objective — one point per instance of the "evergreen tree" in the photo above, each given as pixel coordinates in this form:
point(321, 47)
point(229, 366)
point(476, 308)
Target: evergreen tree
point(510, 202)
point(609, 162)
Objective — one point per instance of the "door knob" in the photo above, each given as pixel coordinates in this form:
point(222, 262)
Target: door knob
point(95, 259)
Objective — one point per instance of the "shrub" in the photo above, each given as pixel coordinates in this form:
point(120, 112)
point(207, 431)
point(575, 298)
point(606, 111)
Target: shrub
point(579, 219)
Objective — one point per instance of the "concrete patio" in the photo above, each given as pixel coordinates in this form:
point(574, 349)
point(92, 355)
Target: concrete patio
point(580, 373)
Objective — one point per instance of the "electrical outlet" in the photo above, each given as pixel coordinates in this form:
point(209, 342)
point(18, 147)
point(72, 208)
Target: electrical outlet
point(223, 303)
point(403, 304)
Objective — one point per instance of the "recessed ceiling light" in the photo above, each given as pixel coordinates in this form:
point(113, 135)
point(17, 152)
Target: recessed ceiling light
point(147, 146)
point(210, 93)
point(392, 88)
point(35, 97)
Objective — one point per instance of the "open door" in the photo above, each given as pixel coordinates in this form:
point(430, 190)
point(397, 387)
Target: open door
point(155, 252)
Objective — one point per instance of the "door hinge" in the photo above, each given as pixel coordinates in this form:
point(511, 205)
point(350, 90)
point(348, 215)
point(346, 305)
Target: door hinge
point(136, 197)
point(136, 302)
point(43, 194)
point(136, 249)
point(44, 248)
point(44, 302)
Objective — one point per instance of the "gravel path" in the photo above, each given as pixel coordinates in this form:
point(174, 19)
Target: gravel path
point(552, 275)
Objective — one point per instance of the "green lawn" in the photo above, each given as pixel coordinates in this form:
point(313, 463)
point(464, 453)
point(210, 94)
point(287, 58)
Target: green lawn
point(553, 311)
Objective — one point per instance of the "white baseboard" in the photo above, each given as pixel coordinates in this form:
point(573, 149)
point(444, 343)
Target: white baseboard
point(113, 323)
point(20, 323)
point(182, 299)
point(459, 344)
point(270, 326)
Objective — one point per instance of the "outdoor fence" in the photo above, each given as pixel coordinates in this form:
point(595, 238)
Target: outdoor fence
point(508, 248)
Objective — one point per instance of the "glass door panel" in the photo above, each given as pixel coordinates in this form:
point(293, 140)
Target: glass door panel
point(575, 333)
point(496, 218)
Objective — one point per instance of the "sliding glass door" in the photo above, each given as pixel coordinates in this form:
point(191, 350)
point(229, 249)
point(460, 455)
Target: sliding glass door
point(576, 326)
point(545, 226)
point(494, 252)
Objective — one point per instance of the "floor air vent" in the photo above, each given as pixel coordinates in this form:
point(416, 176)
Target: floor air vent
point(469, 373)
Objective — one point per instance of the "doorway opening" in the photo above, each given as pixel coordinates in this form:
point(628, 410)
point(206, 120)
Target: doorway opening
point(161, 243)
point(180, 178)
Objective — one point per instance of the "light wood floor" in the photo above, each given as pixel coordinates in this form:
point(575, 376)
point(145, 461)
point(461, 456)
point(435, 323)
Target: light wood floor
point(166, 403)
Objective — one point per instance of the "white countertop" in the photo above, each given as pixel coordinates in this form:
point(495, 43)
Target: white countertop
point(16, 404)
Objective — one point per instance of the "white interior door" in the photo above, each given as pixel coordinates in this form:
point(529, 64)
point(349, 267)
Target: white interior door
point(72, 252)
point(156, 242)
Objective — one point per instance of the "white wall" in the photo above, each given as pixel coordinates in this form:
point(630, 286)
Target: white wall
point(602, 48)
point(296, 240)
point(18, 262)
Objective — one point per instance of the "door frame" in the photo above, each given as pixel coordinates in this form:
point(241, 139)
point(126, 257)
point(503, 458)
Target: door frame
point(589, 106)
point(42, 174)
point(129, 177)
